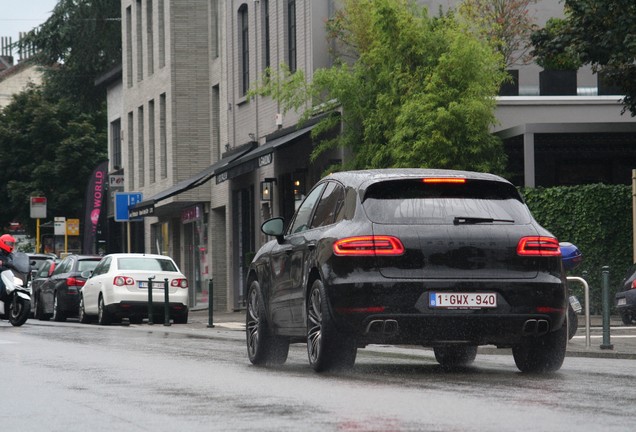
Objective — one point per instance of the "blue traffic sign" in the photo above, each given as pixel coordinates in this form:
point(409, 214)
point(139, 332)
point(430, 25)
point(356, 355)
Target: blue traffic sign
point(123, 202)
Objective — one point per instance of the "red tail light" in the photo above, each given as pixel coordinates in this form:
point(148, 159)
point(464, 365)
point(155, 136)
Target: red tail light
point(123, 281)
point(179, 283)
point(538, 246)
point(353, 310)
point(71, 281)
point(634, 284)
point(549, 309)
point(369, 245)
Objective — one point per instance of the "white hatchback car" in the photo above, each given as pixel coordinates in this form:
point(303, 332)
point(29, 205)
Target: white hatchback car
point(118, 288)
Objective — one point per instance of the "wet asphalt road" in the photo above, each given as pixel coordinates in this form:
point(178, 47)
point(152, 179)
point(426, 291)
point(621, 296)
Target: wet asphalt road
point(73, 377)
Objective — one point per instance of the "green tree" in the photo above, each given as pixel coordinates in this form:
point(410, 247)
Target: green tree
point(80, 41)
point(554, 48)
point(506, 24)
point(49, 147)
point(603, 33)
point(413, 91)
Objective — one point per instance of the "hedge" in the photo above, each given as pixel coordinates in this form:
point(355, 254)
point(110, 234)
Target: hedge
point(597, 218)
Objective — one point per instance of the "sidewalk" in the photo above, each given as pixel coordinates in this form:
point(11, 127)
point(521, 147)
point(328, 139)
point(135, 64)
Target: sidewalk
point(622, 338)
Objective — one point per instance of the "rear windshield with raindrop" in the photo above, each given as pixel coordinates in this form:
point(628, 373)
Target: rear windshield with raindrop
point(412, 201)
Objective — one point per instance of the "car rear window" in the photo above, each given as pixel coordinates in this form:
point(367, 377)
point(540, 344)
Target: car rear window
point(151, 264)
point(412, 201)
point(87, 265)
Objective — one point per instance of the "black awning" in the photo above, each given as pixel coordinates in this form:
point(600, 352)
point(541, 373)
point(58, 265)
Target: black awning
point(146, 207)
point(258, 157)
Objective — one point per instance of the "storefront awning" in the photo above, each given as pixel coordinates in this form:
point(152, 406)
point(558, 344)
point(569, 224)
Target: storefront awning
point(146, 207)
point(258, 157)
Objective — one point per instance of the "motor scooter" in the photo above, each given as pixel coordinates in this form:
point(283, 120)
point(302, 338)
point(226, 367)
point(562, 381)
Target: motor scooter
point(15, 303)
point(572, 258)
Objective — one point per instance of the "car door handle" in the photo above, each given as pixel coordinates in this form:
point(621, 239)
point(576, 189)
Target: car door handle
point(311, 246)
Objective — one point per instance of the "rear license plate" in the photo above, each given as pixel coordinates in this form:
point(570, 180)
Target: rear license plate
point(462, 300)
point(622, 301)
point(143, 284)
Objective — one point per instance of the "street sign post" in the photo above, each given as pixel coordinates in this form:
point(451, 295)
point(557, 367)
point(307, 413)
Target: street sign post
point(123, 202)
point(38, 211)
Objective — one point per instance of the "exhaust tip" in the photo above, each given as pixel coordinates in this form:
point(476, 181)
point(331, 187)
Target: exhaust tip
point(388, 327)
point(533, 327)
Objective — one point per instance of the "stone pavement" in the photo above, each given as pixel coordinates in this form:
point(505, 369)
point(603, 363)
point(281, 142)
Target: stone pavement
point(622, 338)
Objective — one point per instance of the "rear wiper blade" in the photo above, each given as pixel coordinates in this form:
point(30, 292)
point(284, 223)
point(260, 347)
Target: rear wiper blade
point(459, 220)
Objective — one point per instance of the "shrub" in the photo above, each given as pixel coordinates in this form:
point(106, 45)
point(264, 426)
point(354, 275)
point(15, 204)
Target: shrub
point(597, 218)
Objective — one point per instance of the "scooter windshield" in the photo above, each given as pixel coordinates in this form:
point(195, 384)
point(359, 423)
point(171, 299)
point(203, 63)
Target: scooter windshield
point(20, 262)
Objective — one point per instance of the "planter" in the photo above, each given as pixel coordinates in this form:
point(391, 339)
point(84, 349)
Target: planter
point(510, 87)
point(557, 83)
point(606, 88)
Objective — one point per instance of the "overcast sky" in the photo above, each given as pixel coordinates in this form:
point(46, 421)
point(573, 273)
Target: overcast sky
point(23, 15)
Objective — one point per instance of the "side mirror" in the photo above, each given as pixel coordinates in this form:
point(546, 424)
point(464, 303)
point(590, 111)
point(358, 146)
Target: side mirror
point(274, 227)
point(86, 274)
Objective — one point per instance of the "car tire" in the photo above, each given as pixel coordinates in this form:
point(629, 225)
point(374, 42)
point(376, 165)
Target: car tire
point(573, 322)
point(626, 317)
point(39, 310)
point(83, 318)
point(450, 356)
point(135, 319)
point(58, 315)
point(327, 348)
point(181, 319)
point(103, 317)
point(263, 347)
point(543, 354)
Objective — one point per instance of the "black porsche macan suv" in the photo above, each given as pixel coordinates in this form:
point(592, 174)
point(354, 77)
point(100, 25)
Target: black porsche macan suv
point(445, 259)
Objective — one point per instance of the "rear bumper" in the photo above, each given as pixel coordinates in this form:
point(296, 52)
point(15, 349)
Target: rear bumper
point(626, 301)
point(126, 309)
point(500, 330)
point(399, 313)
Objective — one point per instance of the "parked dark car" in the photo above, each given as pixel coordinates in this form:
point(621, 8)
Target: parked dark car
point(626, 297)
point(36, 260)
point(59, 294)
point(445, 259)
point(42, 274)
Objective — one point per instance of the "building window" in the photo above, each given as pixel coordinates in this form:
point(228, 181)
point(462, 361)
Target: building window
point(291, 35)
point(244, 43)
point(141, 145)
point(216, 123)
point(129, 53)
point(163, 136)
point(266, 35)
point(131, 153)
point(162, 33)
point(151, 142)
point(150, 37)
point(214, 20)
point(115, 144)
point(140, 48)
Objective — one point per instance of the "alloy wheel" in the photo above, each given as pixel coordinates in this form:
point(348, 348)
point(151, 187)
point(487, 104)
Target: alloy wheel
point(314, 332)
point(252, 322)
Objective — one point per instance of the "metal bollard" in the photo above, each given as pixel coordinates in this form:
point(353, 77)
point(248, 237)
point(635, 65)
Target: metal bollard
point(606, 310)
point(210, 303)
point(150, 314)
point(166, 319)
point(586, 287)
